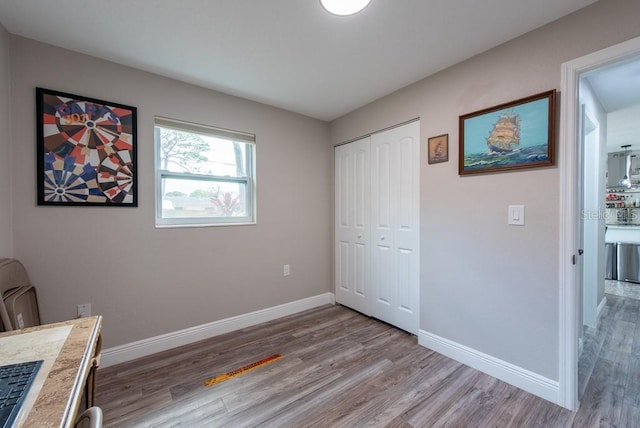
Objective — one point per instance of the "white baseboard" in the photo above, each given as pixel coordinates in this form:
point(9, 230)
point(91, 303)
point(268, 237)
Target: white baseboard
point(507, 372)
point(580, 345)
point(601, 306)
point(152, 345)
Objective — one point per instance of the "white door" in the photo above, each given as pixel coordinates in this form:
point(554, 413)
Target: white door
point(591, 155)
point(352, 208)
point(395, 237)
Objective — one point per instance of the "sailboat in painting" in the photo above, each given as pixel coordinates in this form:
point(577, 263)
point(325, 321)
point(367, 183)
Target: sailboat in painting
point(505, 135)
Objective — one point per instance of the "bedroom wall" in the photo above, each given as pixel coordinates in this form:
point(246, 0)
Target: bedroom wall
point(147, 281)
point(484, 284)
point(6, 234)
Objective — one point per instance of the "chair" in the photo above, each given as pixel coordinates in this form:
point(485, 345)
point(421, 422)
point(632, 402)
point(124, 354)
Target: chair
point(90, 418)
point(90, 384)
point(18, 300)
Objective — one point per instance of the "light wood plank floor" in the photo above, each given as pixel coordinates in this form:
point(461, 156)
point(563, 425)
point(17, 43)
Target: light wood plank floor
point(611, 397)
point(342, 369)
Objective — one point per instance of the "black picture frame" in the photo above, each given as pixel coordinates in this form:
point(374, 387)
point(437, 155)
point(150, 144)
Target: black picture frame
point(86, 151)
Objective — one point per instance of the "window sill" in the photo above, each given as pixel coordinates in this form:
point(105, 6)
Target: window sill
point(182, 226)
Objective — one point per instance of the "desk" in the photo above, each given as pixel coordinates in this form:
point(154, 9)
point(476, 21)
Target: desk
point(70, 350)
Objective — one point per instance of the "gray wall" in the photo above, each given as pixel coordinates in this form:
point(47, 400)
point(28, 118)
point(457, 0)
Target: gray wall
point(6, 234)
point(147, 281)
point(484, 284)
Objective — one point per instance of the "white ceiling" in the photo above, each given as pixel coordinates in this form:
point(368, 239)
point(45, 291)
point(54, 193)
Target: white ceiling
point(617, 87)
point(286, 53)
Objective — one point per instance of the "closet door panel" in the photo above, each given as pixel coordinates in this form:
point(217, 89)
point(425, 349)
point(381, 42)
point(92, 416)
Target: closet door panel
point(381, 177)
point(343, 185)
point(352, 175)
point(381, 276)
point(407, 228)
point(360, 280)
point(343, 275)
point(405, 191)
point(383, 267)
point(404, 258)
point(396, 195)
point(361, 188)
point(343, 222)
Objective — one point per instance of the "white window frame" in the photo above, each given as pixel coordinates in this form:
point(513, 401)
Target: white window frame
point(248, 181)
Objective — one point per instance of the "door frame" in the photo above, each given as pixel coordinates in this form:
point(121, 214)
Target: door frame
point(568, 215)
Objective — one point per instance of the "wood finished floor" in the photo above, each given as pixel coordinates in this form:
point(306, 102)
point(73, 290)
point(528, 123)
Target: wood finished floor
point(611, 397)
point(342, 369)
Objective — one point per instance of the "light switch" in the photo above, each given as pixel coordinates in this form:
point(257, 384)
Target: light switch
point(516, 215)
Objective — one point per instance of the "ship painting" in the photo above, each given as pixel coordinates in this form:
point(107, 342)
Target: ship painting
point(510, 136)
point(505, 135)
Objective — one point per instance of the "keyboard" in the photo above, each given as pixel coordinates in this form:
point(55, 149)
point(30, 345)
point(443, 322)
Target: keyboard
point(15, 381)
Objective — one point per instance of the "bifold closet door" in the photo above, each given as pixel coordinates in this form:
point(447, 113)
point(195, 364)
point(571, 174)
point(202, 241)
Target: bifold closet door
point(377, 225)
point(395, 236)
point(352, 252)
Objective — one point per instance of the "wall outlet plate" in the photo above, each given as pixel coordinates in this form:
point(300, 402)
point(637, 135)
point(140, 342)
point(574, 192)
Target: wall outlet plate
point(84, 310)
point(20, 319)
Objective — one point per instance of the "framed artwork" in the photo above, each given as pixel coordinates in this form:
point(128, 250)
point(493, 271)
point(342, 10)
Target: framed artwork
point(86, 151)
point(516, 135)
point(438, 148)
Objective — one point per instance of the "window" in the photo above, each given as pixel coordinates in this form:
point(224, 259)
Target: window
point(204, 175)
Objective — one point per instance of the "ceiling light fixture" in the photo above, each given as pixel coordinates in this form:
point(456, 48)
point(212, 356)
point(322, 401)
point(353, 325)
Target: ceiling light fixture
point(344, 7)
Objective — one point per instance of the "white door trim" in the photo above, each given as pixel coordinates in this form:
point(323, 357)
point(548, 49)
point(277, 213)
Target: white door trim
point(569, 304)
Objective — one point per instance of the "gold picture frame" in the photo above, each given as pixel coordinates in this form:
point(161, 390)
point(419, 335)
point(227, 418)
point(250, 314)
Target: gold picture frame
point(438, 149)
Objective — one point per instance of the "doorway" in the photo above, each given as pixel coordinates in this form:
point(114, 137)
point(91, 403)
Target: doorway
point(574, 131)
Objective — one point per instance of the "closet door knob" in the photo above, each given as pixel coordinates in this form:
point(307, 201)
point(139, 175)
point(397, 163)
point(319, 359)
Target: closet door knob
point(382, 238)
point(359, 236)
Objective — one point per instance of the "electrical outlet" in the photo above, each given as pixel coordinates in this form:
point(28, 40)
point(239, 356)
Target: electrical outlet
point(20, 319)
point(84, 310)
point(286, 270)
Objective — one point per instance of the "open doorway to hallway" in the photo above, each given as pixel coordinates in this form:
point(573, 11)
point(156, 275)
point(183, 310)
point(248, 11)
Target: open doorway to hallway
point(582, 226)
point(583, 198)
point(609, 131)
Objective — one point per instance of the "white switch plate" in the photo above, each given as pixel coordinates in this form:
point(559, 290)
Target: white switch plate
point(286, 270)
point(516, 215)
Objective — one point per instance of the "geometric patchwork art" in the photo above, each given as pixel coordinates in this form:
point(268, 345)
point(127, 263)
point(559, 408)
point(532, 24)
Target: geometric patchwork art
point(86, 151)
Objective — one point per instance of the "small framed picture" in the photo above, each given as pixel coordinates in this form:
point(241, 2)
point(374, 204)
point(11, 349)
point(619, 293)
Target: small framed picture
point(438, 149)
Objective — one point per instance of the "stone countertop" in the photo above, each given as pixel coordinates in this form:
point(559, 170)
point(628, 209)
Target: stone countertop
point(67, 349)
